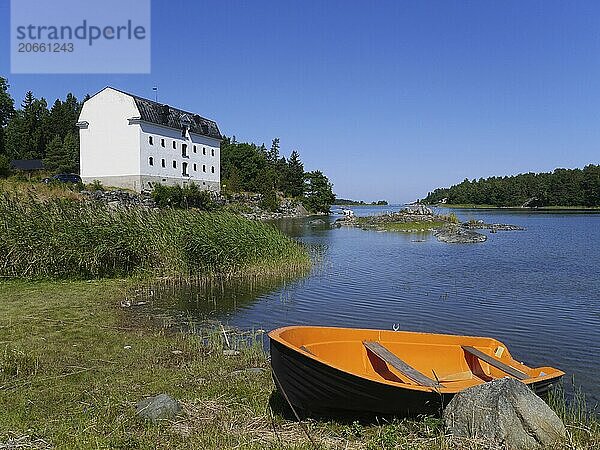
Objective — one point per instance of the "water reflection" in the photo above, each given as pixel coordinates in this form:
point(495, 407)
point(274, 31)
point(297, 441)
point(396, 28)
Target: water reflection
point(190, 302)
point(536, 290)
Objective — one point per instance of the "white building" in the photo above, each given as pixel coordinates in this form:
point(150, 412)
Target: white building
point(131, 142)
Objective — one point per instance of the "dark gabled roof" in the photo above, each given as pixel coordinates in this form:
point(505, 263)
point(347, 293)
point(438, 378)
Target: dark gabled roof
point(161, 114)
point(166, 115)
point(27, 164)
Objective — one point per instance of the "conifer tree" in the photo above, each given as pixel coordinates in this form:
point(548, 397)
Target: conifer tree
point(54, 154)
point(62, 155)
point(294, 179)
point(7, 110)
point(26, 133)
point(273, 154)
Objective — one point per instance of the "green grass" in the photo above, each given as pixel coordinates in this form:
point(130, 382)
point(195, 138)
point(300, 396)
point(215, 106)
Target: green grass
point(69, 239)
point(74, 363)
point(409, 226)
point(81, 382)
point(19, 187)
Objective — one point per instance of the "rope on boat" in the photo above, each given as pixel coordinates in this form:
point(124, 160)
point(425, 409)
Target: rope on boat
point(302, 425)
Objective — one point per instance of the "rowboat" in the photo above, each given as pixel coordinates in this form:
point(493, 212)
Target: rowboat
point(324, 370)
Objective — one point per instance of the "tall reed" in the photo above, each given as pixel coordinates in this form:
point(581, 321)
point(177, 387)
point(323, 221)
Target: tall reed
point(71, 239)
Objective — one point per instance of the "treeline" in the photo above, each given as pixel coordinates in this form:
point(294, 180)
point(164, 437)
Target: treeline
point(35, 131)
point(247, 167)
point(562, 187)
point(347, 202)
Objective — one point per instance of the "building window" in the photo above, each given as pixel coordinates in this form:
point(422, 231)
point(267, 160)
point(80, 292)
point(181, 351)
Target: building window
point(174, 164)
point(184, 150)
point(162, 143)
point(212, 169)
point(203, 167)
point(184, 171)
point(212, 152)
point(195, 149)
point(151, 161)
point(204, 150)
point(175, 145)
point(150, 140)
point(163, 163)
point(194, 167)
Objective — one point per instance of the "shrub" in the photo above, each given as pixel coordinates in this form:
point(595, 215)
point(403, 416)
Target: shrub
point(190, 196)
point(95, 185)
point(269, 201)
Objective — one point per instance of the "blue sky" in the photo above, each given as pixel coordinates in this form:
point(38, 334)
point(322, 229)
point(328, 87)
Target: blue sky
point(389, 98)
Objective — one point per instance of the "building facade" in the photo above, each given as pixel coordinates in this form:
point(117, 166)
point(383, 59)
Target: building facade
point(132, 142)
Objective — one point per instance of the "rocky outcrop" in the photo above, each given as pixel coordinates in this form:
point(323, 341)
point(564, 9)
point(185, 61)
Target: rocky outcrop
point(404, 216)
point(505, 413)
point(288, 207)
point(481, 225)
point(418, 209)
point(458, 235)
point(444, 227)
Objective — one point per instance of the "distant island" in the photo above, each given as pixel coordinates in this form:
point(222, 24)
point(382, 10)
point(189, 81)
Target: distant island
point(560, 188)
point(346, 202)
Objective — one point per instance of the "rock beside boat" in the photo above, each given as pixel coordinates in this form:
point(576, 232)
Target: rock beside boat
point(506, 413)
point(458, 235)
point(157, 408)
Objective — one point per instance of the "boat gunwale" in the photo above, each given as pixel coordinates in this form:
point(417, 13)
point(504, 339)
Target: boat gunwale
point(276, 336)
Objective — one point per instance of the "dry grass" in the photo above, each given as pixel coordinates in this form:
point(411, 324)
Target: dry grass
point(36, 191)
point(87, 360)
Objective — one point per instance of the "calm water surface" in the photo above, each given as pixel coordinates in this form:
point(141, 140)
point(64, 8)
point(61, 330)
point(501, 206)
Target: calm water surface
point(538, 290)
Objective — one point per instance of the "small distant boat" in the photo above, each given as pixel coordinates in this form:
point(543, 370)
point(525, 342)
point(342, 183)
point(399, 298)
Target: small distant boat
point(323, 370)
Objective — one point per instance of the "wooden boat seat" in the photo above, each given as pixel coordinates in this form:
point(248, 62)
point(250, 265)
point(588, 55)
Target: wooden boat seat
point(495, 362)
point(304, 349)
point(401, 366)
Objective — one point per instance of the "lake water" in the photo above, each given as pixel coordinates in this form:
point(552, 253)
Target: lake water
point(537, 290)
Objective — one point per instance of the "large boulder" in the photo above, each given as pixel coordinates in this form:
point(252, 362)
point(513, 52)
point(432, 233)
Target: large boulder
point(157, 408)
point(506, 413)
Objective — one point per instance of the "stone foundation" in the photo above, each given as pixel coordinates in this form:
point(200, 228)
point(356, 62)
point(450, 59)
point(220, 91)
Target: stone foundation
point(139, 183)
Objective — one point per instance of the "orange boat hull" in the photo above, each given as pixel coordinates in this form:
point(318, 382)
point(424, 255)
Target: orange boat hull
point(325, 370)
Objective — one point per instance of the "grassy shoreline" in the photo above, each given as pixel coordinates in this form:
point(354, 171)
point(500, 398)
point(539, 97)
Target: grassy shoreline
point(64, 239)
point(73, 364)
